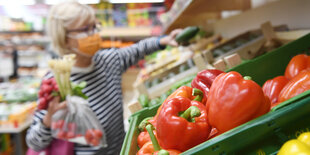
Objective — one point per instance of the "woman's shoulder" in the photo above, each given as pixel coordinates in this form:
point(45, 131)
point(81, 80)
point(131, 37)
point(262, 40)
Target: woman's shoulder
point(106, 55)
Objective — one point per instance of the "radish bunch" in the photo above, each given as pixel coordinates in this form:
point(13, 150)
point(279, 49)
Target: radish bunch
point(48, 87)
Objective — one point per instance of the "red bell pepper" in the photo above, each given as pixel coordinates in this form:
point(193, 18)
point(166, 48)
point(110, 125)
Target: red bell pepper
point(183, 91)
point(296, 65)
point(214, 132)
point(234, 100)
point(152, 147)
point(182, 123)
point(204, 80)
point(273, 87)
point(144, 136)
point(297, 85)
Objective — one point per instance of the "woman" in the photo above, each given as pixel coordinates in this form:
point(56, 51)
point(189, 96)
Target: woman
point(72, 29)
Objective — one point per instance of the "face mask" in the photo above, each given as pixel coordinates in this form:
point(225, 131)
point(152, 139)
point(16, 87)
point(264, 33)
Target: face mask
point(88, 45)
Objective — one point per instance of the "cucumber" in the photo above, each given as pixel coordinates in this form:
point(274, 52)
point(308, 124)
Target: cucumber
point(154, 102)
point(187, 34)
point(144, 100)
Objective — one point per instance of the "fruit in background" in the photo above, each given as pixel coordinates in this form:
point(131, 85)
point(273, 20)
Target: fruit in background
point(296, 65)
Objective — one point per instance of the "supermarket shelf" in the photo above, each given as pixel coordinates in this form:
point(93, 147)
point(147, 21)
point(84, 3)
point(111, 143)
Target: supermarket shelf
point(21, 128)
point(165, 86)
point(16, 32)
point(126, 32)
point(196, 12)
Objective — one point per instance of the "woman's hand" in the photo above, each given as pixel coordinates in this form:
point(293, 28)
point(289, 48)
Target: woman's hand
point(170, 39)
point(53, 107)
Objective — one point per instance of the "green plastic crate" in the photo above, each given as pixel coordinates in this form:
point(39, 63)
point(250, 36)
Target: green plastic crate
point(263, 135)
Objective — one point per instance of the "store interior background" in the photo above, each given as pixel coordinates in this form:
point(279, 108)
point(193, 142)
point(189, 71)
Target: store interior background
point(25, 48)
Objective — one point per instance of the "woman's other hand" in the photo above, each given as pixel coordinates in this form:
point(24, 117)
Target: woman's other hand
point(170, 39)
point(53, 107)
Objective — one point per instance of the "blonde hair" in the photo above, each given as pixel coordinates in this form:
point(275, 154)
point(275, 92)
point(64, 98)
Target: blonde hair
point(61, 17)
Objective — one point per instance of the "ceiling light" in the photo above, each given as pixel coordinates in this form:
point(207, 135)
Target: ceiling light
point(136, 1)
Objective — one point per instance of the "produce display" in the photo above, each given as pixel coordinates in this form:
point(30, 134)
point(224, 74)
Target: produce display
point(145, 101)
point(13, 115)
point(77, 123)
point(17, 102)
point(128, 15)
point(224, 101)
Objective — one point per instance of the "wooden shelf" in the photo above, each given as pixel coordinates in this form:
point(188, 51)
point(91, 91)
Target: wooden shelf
point(196, 12)
point(126, 32)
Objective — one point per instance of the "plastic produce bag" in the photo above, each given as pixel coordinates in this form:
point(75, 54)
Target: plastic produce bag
point(78, 123)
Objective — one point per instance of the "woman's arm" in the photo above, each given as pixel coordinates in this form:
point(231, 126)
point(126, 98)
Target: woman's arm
point(38, 135)
point(132, 54)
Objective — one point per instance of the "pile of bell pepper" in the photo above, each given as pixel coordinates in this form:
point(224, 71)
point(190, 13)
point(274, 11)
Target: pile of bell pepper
point(296, 80)
point(215, 103)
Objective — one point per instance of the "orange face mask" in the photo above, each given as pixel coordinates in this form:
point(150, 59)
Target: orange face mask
point(89, 45)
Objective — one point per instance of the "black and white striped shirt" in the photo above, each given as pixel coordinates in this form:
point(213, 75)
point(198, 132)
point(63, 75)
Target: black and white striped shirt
point(105, 96)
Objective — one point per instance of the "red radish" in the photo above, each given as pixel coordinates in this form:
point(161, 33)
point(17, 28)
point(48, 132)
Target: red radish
point(70, 135)
point(95, 142)
point(54, 125)
point(72, 126)
point(60, 124)
point(97, 133)
point(54, 83)
point(41, 93)
point(42, 104)
point(56, 88)
point(62, 134)
point(88, 136)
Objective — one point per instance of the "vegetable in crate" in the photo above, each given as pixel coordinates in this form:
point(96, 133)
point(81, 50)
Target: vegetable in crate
point(273, 87)
point(296, 86)
point(144, 100)
point(182, 123)
point(144, 136)
point(152, 147)
point(299, 146)
point(204, 80)
point(296, 65)
point(183, 91)
point(234, 100)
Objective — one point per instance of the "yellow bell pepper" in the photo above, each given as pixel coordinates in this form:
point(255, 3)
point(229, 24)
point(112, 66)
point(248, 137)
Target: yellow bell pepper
point(299, 146)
